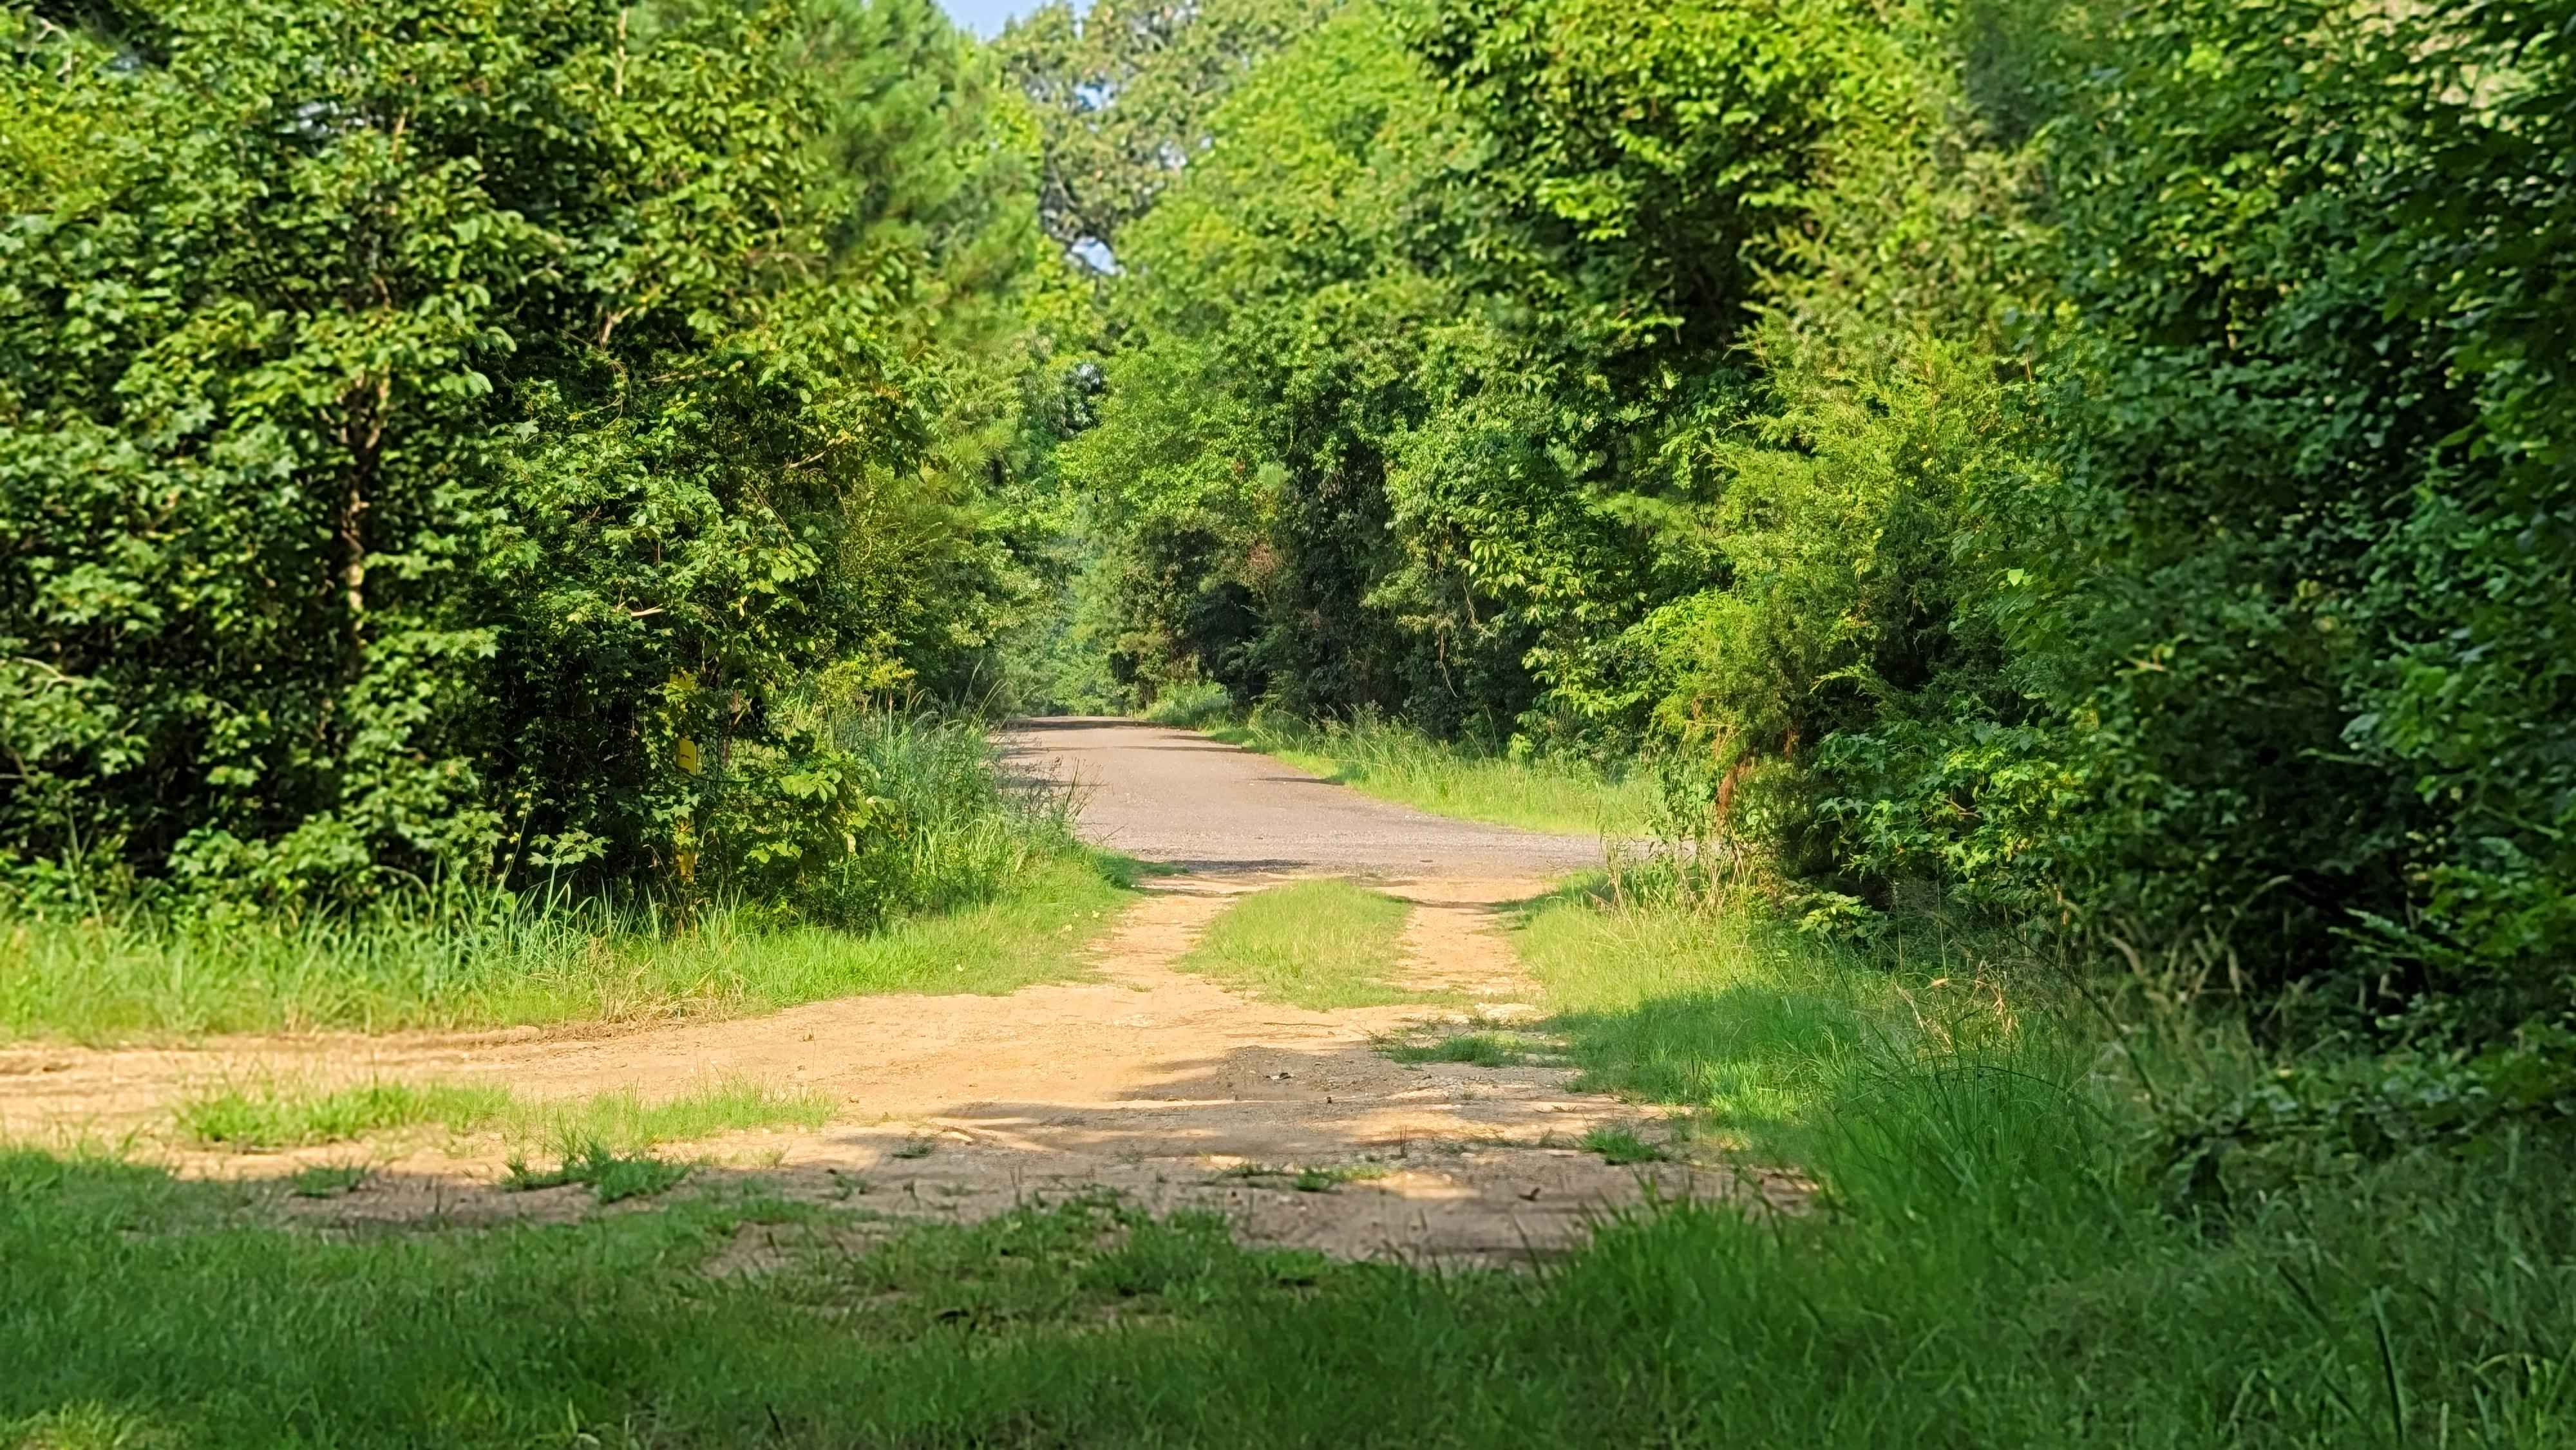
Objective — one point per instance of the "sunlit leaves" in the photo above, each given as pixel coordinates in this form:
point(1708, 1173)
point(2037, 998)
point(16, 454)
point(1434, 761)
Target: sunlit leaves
point(396, 399)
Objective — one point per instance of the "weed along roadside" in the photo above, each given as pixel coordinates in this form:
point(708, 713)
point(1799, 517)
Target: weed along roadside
point(1287, 722)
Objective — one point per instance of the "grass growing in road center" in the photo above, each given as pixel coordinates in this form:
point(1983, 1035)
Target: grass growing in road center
point(1319, 945)
point(276, 1115)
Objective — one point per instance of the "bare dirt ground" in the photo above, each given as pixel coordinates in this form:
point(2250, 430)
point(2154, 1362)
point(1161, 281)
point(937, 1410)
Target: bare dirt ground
point(1141, 1080)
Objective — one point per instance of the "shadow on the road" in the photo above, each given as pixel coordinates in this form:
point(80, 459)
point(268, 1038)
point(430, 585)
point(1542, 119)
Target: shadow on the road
point(1451, 1160)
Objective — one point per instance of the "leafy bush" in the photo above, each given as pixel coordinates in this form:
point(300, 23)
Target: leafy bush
point(441, 441)
point(2257, 675)
point(946, 826)
point(2107, 467)
point(2318, 332)
point(1191, 706)
point(952, 833)
point(2325, 1117)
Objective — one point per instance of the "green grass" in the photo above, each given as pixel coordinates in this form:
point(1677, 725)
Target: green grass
point(284, 1115)
point(610, 1175)
point(1397, 763)
point(1746, 1022)
point(96, 980)
point(1989, 1261)
point(1619, 1147)
point(977, 885)
point(1986, 1279)
point(1319, 945)
point(273, 1115)
point(327, 1180)
point(1475, 1049)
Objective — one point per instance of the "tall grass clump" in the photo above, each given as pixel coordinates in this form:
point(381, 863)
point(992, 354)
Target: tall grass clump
point(953, 829)
point(2018, 1232)
point(1989, 1261)
point(132, 973)
point(966, 880)
point(1192, 706)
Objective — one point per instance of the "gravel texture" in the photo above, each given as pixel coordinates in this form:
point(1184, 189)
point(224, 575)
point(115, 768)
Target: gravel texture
point(1181, 799)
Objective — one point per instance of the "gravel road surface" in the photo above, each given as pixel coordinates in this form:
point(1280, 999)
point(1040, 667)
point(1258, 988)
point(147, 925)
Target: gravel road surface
point(1177, 797)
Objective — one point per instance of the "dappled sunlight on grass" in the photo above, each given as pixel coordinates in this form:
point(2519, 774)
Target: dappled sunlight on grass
point(1982, 1278)
point(1740, 1021)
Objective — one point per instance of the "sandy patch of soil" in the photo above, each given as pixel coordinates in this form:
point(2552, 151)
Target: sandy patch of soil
point(1142, 1080)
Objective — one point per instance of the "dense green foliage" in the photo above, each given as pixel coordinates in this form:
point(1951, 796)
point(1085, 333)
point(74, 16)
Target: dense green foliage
point(2323, 437)
point(2099, 468)
point(994, 891)
point(1123, 89)
point(483, 482)
point(2104, 466)
point(470, 442)
point(1411, 447)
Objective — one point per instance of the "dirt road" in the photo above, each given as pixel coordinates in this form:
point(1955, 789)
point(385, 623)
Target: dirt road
point(1176, 796)
point(1140, 1079)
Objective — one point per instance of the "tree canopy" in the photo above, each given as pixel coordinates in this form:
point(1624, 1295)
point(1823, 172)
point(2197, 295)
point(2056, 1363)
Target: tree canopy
point(451, 441)
point(2103, 468)
point(2091, 463)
